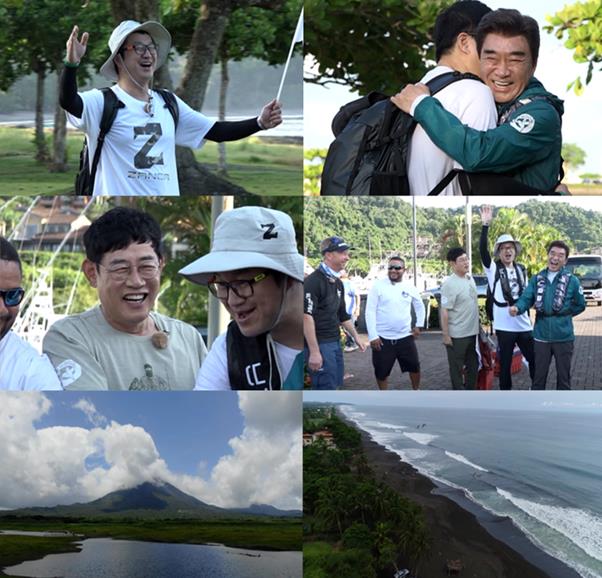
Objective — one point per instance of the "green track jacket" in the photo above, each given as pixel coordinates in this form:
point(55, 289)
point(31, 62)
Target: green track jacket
point(527, 146)
point(554, 327)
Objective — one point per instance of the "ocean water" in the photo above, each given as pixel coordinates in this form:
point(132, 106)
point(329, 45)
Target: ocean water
point(542, 469)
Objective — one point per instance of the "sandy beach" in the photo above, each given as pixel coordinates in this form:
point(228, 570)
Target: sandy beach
point(465, 533)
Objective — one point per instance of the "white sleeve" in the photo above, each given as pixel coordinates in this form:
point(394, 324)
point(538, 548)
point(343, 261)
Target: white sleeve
point(371, 303)
point(478, 112)
point(213, 374)
point(41, 376)
point(418, 307)
point(192, 126)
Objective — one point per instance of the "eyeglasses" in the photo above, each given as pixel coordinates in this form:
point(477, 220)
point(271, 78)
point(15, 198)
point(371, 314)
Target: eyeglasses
point(395, 267)
point(140, 48)
point(12, 297)
point(242, 288)
point(146, 271)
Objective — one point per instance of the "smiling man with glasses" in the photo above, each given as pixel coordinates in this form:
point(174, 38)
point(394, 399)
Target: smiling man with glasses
point(123, 343)
point(256, 271)
point(138, 156)
point(21, 366)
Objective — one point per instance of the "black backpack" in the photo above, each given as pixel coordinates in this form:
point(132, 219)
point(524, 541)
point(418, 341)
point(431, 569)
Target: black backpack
point(369, 154)
point(84, 180)
point(489, 300)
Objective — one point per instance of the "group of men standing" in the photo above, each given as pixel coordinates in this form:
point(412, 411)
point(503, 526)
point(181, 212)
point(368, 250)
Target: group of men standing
point(395, 313)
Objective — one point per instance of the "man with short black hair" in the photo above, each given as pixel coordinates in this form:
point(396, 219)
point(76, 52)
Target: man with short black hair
point(460, 321)
point(557, 297)
point(468, 99)
point(123, 344)
point(22, 368)
point(256, 271)
point(139, 153)
point(527, 143)
point(324, 313)
point(389, 322)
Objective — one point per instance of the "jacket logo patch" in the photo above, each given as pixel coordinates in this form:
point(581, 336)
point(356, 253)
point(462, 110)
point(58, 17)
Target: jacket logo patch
point(523, 123)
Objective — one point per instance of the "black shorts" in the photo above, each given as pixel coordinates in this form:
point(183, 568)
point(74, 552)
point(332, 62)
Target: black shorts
point(403, 350)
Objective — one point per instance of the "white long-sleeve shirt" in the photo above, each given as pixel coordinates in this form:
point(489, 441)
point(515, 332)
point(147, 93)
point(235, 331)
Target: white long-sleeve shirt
point(389, 309)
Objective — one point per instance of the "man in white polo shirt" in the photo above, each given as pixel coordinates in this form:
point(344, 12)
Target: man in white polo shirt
point(389, 322)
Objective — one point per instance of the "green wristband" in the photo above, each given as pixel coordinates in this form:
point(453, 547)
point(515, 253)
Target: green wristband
point(71, 64)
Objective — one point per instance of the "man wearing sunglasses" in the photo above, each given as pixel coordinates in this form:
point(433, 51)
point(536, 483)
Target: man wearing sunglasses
point(139, 153)
point(389, 322)
point(324, 313)
point(123, 344)
point(256, 271)
point(21, 366)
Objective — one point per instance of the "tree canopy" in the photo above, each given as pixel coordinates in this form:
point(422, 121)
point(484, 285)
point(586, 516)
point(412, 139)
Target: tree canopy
point(369, 44)
point(582, 24)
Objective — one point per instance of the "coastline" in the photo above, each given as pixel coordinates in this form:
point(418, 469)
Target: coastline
point(488, 545)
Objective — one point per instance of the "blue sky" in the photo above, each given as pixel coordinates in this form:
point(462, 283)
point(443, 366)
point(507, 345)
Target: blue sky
point(556, 68)
point(185, 426)
point(231, 449)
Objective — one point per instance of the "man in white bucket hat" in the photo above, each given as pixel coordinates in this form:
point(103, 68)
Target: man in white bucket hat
point(256, 271)
point(138, 155)
point(507, 280)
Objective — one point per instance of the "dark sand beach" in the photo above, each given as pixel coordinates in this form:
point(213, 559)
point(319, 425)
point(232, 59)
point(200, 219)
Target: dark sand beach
point(469, 533)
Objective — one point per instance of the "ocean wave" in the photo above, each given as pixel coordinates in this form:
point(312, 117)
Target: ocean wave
point(387, 425)
point(421, 438)
point(464, 460)
point(582, 528)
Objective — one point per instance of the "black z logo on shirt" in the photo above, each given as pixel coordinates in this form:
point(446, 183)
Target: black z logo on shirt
point(268, 233)
point(142, 160)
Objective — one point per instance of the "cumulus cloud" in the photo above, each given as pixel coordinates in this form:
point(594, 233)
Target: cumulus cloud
point(49, 466)
point(265, 464)
point(89, 410)
point(62, 465)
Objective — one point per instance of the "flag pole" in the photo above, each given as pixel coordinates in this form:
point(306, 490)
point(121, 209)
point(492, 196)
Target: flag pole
point(298, 37)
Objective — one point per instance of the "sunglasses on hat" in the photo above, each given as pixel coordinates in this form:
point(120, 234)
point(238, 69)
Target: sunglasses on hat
point(12, 297)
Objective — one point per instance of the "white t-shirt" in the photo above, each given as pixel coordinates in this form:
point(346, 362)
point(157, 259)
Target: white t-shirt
point(469, 100)
point(213, 374)
point(22, 368)
point(502, 319)
point(389, 309)
point(139, 153)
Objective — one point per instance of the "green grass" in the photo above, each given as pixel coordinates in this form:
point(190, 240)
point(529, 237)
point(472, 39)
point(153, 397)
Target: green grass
point(265, 168)
point(255, 534)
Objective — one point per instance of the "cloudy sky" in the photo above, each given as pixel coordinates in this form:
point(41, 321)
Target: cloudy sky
point(228, 449)
point(555, 69)
point(512, 400)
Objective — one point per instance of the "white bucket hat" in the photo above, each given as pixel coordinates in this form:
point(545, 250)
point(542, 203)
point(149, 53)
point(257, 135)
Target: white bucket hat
point(160, 36)
point(246, 238)
point(506, 238)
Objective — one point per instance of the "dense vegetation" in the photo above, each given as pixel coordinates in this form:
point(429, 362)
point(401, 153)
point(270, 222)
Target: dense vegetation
point(380, 226)
point(354, 525)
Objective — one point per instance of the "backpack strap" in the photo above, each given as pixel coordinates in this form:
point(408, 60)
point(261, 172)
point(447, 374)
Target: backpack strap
point(109, 111)
point(171, 104)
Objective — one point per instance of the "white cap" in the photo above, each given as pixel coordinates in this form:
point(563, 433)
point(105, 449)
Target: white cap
point(246, 238)
point(506, 238)
point(159, 34)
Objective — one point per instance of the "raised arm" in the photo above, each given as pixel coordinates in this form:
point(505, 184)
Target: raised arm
point(68, 97)
point(486, 216)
